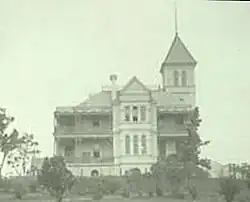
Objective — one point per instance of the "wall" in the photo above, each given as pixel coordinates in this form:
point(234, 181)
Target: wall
point(149, 157)
point(169, 75)
point(87, 169)
point(186, 92)
point(105, 170)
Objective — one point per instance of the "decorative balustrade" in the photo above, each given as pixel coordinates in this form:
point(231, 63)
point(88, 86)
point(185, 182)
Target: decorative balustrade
point(80, 130)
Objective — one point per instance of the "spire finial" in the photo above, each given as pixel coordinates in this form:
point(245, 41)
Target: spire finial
point(175, 17)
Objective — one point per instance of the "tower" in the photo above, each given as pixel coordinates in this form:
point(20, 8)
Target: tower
point(177, 70)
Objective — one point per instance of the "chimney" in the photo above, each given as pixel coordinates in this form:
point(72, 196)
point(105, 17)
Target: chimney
point(113, 79)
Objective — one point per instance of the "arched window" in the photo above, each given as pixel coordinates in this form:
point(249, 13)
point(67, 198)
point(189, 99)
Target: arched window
point(94, 173)
point(135, 144)
point(183, 78)
point(143, 144)
point(127, 144)
point(176, 78)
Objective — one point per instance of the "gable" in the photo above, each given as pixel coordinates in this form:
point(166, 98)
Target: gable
point(134, 86)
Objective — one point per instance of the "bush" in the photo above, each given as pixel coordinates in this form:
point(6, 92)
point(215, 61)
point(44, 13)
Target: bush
point(32, 187)
point(126, 193)
point(5, 184)
point(56, 177)
point(19, 191)
point(244, 196)
point(98, 193)
point(248, 183)
point(110, 186)
point(159, 191)
point(229, 188)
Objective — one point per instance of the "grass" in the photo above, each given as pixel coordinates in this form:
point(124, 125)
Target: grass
point(207, 189)
point(46, 198)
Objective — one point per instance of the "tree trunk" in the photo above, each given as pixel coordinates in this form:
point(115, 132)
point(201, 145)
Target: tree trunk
point(2, 163)
point(59, 199)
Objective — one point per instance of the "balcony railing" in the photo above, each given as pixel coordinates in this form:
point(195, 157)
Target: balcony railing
point(74, 129)
point(171, 129)
point(89, 160)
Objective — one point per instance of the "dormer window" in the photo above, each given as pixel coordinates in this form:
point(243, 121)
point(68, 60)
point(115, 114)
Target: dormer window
point(135, 114)
point(96, 123)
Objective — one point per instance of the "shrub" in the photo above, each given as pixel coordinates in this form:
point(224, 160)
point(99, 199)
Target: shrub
point(19, 191)
point(193, 192)
point(229, 188)
point(32, 187)
point(126, 193)
point(248, 183)
point(110, 186)
point(98, 193)
point(244, 196)
point(159, 191)
point(5, 184)
point(55, 177)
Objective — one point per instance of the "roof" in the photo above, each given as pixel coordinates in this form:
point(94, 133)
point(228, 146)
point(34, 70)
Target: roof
point(178, 53)
point(100, 99)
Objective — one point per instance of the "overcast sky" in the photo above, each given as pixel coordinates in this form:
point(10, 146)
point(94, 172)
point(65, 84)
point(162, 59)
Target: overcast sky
point(55, 53)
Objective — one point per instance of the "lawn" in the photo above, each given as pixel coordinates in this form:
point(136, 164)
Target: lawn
point(46, 198)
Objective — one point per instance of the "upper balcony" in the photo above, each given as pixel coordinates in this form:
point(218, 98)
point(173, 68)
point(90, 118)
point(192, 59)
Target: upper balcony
point(172, 125)
point(72, 125)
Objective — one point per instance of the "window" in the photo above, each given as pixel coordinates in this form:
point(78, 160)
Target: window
point(68, 151)
point(179, 119)
point(127, 113)
point(143, 144)
point(96, 151)
point(135, 114)
point(96, 123)
point(66, 120)
point(170, 147)
point(127, 144)
point(176, 78)
point(183, 78)
point(82, 119)
point(135, 144)
point(143, 113)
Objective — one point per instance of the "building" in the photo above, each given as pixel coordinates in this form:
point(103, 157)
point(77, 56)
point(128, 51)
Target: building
point(130, 126)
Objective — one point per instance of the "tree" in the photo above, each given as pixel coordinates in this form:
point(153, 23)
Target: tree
point(8, 141)
point(229, 188)
point(190, 149)
point(20, 158)
point(187, 160)
point(55, 177)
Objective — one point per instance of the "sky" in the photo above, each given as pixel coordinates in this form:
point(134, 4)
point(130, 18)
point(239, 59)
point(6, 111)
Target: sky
point(56, 53)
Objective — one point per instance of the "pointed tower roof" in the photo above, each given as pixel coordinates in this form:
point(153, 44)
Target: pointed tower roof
point(178, 54)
